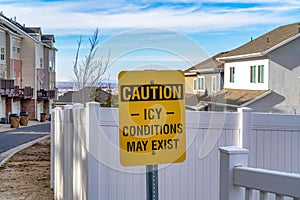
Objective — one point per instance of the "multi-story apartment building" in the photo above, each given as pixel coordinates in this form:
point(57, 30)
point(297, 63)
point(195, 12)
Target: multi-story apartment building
point(27, 69)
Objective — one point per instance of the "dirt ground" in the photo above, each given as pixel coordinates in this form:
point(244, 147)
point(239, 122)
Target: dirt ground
point(27, 174)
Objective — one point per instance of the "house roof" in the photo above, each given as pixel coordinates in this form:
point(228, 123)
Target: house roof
point(33, 30)
point(29, 31)
point(71, 97)
point(228, 97)
point(9, 29)
point(48, 38)
point(266, 42)
point(209, 63)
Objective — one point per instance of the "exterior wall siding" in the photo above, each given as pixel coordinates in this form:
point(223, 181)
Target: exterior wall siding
point(46, 67)
point(28, 58)
point(242, 75)
point(52, 80)
point(39, 56)
point(285, 76)
point(16, 42)
point(189, 84)
point(18, 72)
point(3, 44)
point(41, 79)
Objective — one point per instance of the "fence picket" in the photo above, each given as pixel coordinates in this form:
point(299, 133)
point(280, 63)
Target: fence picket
point(273, 141)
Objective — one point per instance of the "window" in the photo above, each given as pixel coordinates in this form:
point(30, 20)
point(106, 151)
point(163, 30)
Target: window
point(41, 62)
point(2, 53)
point(261, 74)
point(14, 49)
point(18, 50)
point(232, 71)
point(201, 84)
point(195, 84)
point(252, 74)
point(214, 84)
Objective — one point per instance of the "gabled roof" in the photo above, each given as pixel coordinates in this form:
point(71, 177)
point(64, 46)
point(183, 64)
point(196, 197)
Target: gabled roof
point(265, 43)
point(210, 63)
point(5, 27)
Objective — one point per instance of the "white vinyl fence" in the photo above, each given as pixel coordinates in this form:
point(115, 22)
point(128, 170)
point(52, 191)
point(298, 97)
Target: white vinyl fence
point(85, 154)
point(240, 182)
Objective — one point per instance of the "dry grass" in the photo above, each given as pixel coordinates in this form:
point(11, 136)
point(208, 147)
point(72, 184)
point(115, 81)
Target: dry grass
point(27, 174)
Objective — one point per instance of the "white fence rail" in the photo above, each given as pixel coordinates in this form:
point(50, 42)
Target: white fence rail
point(86, 155)
point(235, 175)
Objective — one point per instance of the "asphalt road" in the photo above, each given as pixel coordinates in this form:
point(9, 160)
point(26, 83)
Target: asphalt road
point(12, 138)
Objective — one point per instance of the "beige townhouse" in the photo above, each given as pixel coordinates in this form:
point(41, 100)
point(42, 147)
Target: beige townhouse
point(27, 70)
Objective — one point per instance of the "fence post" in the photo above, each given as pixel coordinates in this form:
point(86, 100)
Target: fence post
point(68, 151)
point(58, 161)
point(79, 153)
point(52, 149)
point(231, 157)
point(93, 150)
point(245, 126)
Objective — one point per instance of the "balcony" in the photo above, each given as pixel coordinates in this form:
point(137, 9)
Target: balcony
point(26, 93)
point(7, 87)
point(45, 94)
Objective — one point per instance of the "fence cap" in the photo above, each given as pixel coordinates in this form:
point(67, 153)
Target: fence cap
point(233, 150)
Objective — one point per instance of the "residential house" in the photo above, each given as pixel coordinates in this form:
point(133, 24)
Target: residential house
point(10, 65)
point(27, 69)
point(203, 81)
point(83, 95)
point(264, 74)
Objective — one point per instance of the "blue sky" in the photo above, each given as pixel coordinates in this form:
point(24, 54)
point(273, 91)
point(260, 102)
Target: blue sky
point(172, 34)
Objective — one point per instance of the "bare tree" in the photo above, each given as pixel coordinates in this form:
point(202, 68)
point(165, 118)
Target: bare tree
point(88, 72)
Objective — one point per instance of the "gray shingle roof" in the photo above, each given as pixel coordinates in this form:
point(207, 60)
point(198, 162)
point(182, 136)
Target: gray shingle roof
point(209, 63)
point(267, 40)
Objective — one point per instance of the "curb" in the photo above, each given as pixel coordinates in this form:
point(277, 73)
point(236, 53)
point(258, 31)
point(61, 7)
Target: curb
point(8, 154)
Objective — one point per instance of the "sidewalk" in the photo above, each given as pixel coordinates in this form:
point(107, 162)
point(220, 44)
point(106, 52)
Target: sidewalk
point(6, 154)
point(5, 127)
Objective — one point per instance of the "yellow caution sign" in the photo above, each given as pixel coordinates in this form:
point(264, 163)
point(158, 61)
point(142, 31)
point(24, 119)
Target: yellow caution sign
point(151, 117)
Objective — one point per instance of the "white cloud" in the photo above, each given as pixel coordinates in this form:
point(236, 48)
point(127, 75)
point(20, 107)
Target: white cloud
point(65, 18)
point(80, 17)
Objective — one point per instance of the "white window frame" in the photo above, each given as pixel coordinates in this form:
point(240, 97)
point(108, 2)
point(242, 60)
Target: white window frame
point(201, 89)
point(214, 83)
point(232, 74)
point(195, 84)
point(41, 63)
point(2, 54)
point(253, 73)
point(261, 73)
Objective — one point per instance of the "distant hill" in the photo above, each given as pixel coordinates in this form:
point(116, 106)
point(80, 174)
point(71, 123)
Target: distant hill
point(70, 84)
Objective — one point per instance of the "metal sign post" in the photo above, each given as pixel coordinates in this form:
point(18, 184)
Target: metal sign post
point(152, 182)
